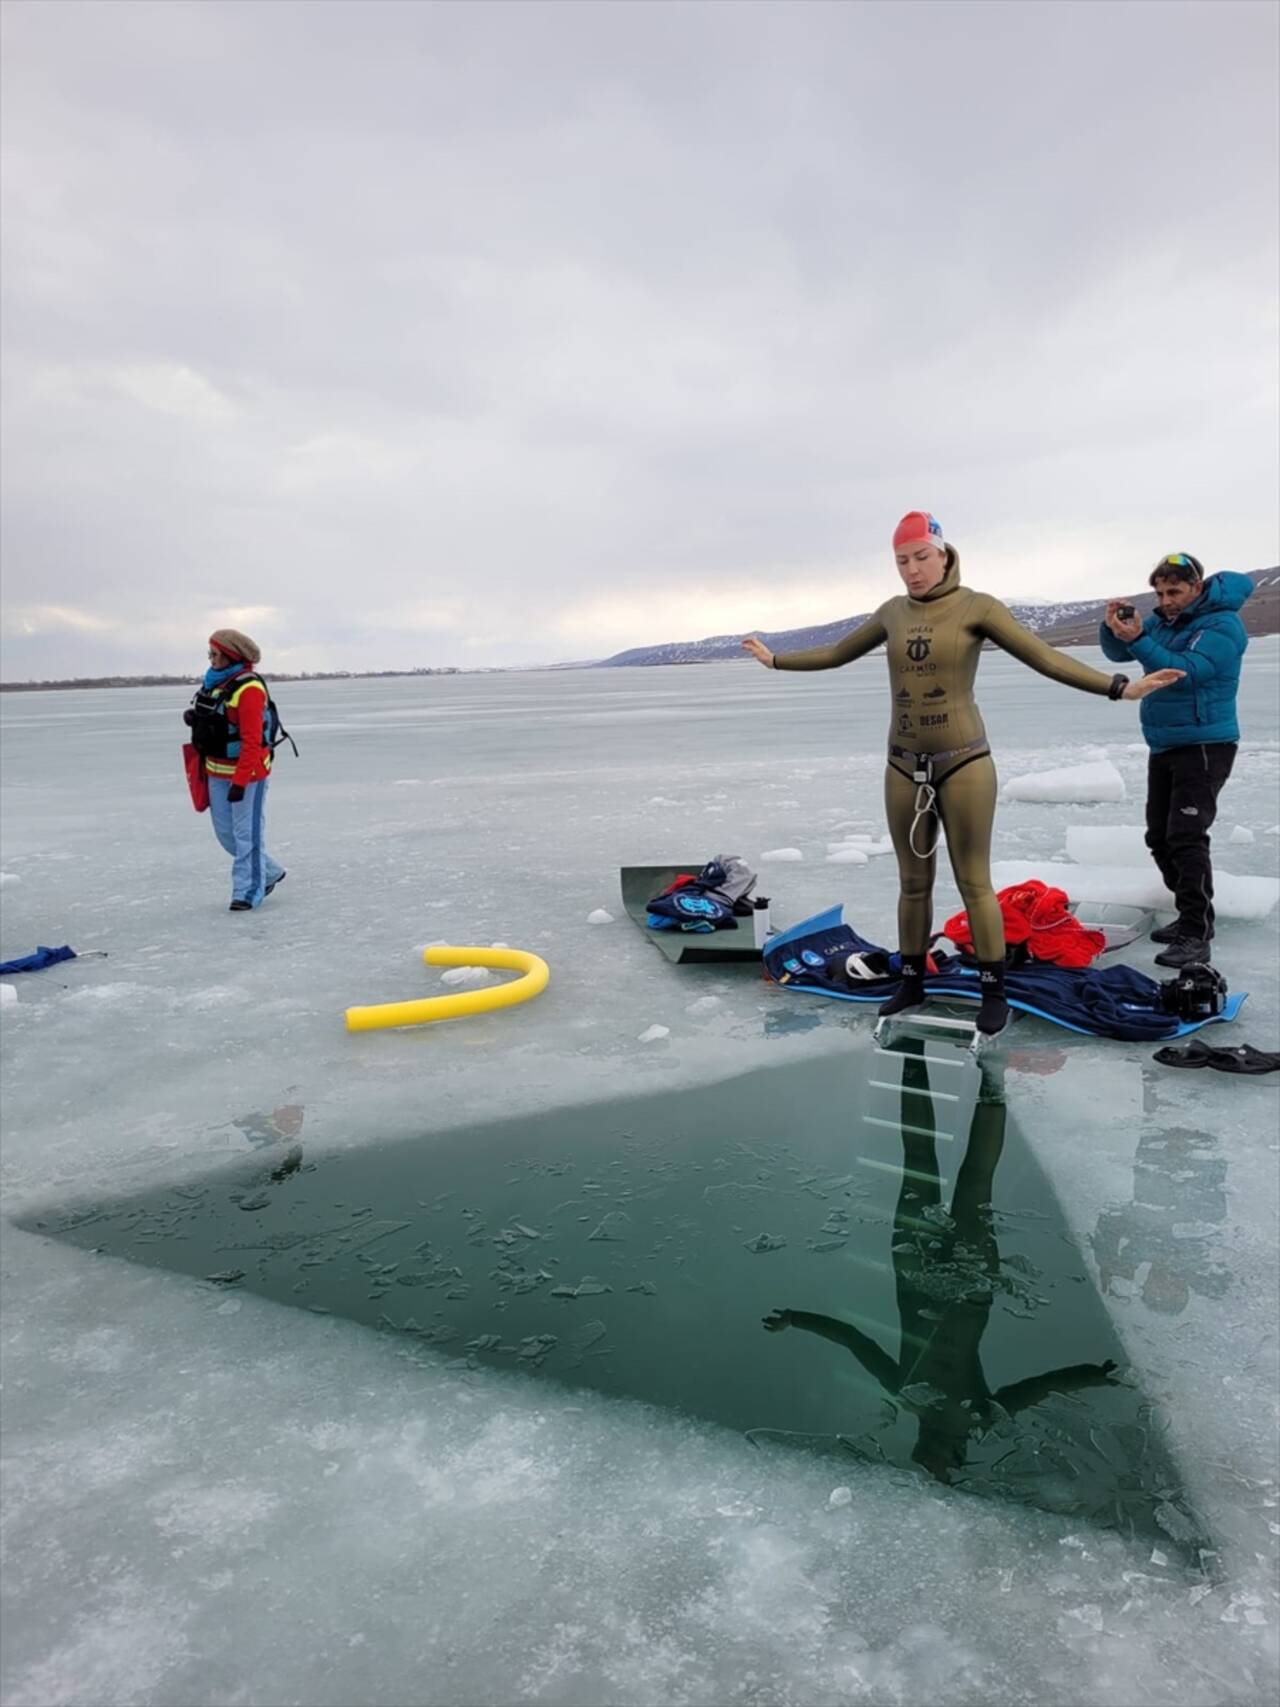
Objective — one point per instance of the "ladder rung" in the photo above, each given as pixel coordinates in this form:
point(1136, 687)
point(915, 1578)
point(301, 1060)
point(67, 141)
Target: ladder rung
point(914, 1090)
point(906, 1126)
point(933, 1060)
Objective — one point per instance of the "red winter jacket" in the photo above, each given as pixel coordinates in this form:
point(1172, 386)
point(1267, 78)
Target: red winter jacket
point(1037, 915)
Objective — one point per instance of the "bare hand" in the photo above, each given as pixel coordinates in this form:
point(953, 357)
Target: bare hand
point(776, 1320)
point(758, 650)
point(1124, 628)
point(1152, 684)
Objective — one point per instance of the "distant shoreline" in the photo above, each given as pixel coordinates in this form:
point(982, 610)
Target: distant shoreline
point(75, 685)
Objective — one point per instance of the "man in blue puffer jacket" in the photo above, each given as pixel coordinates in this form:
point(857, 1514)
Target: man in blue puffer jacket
point(1191, 729)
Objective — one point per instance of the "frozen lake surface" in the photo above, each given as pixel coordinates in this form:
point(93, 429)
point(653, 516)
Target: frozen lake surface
point(214, 1496)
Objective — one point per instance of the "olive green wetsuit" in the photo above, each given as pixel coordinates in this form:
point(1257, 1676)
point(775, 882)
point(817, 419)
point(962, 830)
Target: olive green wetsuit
point(933, 646)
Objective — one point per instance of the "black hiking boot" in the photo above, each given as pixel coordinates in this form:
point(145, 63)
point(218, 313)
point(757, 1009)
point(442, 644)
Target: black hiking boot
point(1185, 951)
point(1170, 933)
point(993, 1015)
point(240, 907)
point(911, 992)
point(275, 883)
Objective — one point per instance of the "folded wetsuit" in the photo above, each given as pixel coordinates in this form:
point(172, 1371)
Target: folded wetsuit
point(708, 902)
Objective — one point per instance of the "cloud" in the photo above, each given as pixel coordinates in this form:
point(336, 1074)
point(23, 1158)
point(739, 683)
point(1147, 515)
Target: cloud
point(451, 333)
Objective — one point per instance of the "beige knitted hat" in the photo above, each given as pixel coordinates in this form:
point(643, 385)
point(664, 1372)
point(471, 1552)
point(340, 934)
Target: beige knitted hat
point(235, 644)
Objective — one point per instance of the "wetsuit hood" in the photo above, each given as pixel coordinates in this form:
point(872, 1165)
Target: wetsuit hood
point(1225, 591)
point(950, 580)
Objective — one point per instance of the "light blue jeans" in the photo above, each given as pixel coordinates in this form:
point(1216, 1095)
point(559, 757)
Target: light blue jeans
point(241, 829)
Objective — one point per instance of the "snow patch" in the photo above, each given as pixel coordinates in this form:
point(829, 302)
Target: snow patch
point(599, 917)
point(781, 856)
point(655, 1034)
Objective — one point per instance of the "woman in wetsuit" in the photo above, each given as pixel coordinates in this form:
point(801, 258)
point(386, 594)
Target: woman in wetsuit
point(940, 770)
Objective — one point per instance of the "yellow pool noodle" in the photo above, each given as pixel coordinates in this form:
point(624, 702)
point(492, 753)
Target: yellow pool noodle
point(428, 1009)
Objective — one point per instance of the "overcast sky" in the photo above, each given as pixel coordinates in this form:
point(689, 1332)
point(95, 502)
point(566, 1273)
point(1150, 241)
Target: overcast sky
point(492, 333)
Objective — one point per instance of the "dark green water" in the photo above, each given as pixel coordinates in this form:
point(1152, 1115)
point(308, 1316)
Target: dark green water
point(860, 1255)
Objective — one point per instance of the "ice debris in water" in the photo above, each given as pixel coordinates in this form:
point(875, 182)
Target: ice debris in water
point(465, 975)
point(1241, 835)
point(1078, 783)
point(703, 1005)
point(9, 877)
point(655, 1034)
point(765, 1242)
point(839, 1497)
point(847, 856)
point(8, 995)
point(598, 916)
point(781, 856)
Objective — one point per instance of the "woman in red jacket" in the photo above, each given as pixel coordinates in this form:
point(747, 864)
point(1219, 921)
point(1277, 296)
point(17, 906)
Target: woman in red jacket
point(230, 724)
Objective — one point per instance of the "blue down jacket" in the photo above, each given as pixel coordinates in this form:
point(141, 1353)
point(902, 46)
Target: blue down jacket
point(1207, 641)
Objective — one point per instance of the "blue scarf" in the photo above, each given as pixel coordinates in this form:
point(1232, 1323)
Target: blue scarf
point(215, 678)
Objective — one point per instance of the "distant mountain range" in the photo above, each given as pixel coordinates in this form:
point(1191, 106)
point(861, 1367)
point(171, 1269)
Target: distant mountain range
point(1070, 624)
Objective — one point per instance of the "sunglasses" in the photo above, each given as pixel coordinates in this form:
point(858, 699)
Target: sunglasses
point(1180, 560)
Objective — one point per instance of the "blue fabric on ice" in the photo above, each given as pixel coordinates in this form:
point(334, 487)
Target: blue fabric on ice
point(1207, 640)
point(1110, 1001)
point(38, 960)
point(240, 827)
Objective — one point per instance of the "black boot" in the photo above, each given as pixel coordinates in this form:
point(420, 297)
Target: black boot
point(911, 991)
point(993, 1015)
point(1170, 932)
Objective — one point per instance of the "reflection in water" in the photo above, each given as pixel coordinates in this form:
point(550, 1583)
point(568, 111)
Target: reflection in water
point(1160, 1245)
point(633, 1246)
point(946, 1266)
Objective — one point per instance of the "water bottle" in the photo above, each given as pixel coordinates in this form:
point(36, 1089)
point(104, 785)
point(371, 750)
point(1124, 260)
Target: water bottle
point(760, 919)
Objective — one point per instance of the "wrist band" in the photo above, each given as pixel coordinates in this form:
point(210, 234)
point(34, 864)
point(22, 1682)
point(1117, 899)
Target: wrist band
point(1118, 685)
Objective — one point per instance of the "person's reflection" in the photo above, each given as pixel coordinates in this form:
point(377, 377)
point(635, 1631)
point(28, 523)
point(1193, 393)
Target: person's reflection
point(946, 1265)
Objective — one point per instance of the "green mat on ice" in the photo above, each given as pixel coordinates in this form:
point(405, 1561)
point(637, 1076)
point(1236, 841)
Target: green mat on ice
point(640, 883)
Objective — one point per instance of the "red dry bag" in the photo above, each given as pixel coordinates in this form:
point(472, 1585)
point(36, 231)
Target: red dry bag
point(197, 781)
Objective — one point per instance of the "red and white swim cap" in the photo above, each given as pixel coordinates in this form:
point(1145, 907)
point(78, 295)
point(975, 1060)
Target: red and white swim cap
point(918, 527)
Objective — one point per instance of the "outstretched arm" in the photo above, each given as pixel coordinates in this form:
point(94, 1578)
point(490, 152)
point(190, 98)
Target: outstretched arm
point(1001, 626)
point(877, 1363)
point(856, 644)
point(1019, 1394)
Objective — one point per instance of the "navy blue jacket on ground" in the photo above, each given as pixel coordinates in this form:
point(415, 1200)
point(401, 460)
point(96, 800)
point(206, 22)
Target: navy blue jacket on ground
point(1207, 640)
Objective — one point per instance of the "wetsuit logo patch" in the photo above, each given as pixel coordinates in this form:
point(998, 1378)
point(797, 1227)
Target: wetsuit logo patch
point(918, 648)
point(904, 724)
point(936, 693)
point(903, 697)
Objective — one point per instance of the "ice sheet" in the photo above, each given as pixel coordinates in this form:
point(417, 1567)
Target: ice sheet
point(208, 1503)
point(1095, 781)
point(1131, 885)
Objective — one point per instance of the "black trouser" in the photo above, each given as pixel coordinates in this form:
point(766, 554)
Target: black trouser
point(1182, 801)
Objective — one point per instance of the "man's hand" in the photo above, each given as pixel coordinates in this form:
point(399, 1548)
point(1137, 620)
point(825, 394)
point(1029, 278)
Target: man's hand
point(775, 1321)
point(1124, 628)
point(235, 794)
point(758, 650)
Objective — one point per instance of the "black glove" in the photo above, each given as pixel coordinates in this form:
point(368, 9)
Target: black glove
point(235, 793)
point(189, 717)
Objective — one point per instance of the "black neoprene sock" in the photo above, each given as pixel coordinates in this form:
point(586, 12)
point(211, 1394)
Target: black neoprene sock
point(911, 992)
point(993, 1015)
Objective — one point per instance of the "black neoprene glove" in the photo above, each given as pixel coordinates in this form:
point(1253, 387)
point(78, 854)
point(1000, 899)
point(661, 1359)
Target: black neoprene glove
point(235, 793)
